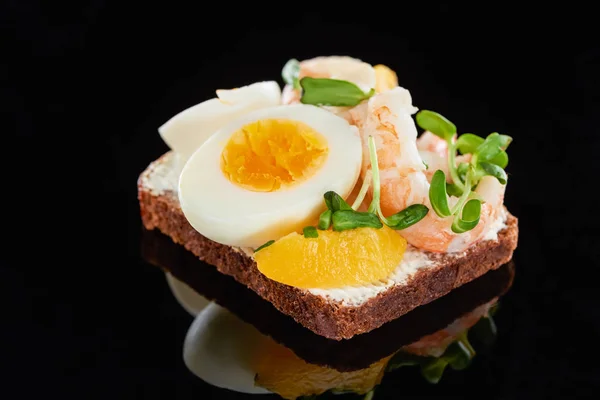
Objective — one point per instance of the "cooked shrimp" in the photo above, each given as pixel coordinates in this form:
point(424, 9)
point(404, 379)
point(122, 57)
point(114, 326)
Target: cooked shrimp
point(430, 142)
point(434, 152)
point(403, 178)
point(401, 169)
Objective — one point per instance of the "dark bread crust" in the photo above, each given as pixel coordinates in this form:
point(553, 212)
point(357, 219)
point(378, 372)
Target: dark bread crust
point(322, 316)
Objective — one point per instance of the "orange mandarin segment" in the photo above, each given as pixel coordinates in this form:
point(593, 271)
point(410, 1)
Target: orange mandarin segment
point(385, 78)
point(334, 259)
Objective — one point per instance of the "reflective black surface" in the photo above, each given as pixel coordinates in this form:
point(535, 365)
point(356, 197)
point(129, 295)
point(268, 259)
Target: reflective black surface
point(437, 339)
point(345, 355)
point(84, 316)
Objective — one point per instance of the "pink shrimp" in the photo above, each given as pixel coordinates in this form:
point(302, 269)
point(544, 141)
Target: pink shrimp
point(428, 141)
point(434, 152)
point(403, 174)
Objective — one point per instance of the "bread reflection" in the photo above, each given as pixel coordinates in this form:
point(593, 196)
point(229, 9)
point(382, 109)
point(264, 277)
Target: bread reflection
point(344, 355)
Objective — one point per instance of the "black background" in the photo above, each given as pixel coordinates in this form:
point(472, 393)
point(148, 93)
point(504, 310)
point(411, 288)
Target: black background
point(85, 87)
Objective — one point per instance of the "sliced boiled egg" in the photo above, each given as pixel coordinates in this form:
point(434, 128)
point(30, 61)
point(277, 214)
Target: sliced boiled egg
point(264, 175)
point(186, 131)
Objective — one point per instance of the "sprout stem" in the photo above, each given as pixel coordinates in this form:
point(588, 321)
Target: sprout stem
point(452, 164)
point(375, 206)
point(381, 216)
point(375, 172)
point(465, 196)
point(363, 191)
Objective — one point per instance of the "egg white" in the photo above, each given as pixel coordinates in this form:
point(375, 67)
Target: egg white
point(186, 131)
point(229, 214)
point(219, 349)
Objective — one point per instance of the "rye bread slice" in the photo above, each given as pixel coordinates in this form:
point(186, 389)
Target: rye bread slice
point(159, 207)
point(343, 355)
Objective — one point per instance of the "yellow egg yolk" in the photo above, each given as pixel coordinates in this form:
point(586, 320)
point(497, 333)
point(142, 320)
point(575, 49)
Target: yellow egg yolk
point(272, 154)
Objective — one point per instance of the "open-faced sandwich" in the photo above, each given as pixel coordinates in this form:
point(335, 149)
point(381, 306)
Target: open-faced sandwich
point(324, 198)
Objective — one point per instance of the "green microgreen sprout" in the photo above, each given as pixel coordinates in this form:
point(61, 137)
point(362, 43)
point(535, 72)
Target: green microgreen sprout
point(467, 143)
point(468, 218)
point(363, 190)
point(488, 157)
point(335, 202)
point(340, 216)
point(349, 219)
point(325, 220)
point(493, 170)
point(290, 73)
point(453, 190)
point(332, 92)
point(375, 205)
point(270, 242)
point(401, 220)
point(465, 195)
point(440, 126)
point(461, 170)
point(438, 195)
point(310, 232)
point(323, 91)
point(407, 217)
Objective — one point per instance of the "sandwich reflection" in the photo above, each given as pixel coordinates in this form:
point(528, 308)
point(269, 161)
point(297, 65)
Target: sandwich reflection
point(240, 342)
